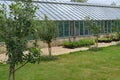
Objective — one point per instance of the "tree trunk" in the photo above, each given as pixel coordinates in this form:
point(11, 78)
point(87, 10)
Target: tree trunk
point(74, 38)
point(35, 43)
point(97, 42)
point(11, 74)
point(69, 39)
point(49, 49)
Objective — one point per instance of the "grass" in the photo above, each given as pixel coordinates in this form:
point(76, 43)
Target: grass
point(84, 65)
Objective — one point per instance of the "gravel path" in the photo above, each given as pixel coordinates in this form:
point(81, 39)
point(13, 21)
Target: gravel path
point(3, 58)
point(60, 50)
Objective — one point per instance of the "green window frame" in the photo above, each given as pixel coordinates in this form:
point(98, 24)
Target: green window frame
point(77, 28)
point(81, 27)
point(109, 26)
point(60, 29)
point(106, 27)
point(113, 26)
point(102, 27)
point(100, 24)
point(66, 29)
point(86, 29)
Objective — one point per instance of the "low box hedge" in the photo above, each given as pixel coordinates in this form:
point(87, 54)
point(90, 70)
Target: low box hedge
point(80, 43)
point(105, 40)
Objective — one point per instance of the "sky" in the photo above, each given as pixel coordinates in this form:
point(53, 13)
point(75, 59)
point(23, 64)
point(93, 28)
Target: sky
point(101, 1)
point(104, 1)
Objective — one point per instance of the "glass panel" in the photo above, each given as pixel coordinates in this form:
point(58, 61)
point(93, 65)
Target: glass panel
point(79, 11)
point(66, 28)
point(99, 24)
point(71, 11)
point(109, 26)
point(105, 28)
point(102, 26)
point(113, 26)
point(81, 28)
point(45, 11)
point(57, 12)
point(118, 23)
point(86, 29)
point(66, 12)
point(77, 28)
point(60, 27)
point(72, 31)
point(52, 11)
point(62, 11)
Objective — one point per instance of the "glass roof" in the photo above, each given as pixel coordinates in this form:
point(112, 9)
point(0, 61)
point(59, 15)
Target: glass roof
point(73, 11)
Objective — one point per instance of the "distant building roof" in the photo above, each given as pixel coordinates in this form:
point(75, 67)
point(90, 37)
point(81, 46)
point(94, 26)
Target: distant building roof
point(74, 11)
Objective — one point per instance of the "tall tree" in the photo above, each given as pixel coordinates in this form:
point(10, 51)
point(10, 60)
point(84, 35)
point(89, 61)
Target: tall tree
point(48, 32)
point(15, 29)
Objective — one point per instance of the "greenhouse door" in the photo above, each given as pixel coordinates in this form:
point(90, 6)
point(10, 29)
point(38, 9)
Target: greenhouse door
point(72, 30)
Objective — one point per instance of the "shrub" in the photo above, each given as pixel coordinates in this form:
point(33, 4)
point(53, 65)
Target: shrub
point(70, 45)
point(106, 40)
point(80, 43)
point(86, 42)
point(114, 37)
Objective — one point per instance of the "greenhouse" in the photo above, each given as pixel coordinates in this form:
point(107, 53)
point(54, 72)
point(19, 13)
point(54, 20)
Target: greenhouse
point(71, 16)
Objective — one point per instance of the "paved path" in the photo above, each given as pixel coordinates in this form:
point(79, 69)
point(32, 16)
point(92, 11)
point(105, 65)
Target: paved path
point(60, 50)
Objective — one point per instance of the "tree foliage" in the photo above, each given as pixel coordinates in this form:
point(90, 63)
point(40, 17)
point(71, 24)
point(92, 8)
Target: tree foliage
point(16, 25)
point(2, 20)
point(48, 32)
point(93, 28)
point(116, 27)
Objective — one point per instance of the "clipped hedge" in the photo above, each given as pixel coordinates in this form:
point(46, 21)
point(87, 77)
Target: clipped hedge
point(86, 42)
point(109, 37)
point(105, 40)
point(114, 37)
point(80, 43)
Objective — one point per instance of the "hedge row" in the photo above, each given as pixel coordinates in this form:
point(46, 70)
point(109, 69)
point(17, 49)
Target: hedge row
point(80, 43)
point(107, 40)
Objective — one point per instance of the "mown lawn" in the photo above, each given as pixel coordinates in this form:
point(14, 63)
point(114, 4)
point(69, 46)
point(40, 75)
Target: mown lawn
point(83, 65)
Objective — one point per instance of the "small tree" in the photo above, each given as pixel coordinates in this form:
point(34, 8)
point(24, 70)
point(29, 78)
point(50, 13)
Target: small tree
point(117, 27)
point(47, 32)
point(15, 29)
point(94, 29)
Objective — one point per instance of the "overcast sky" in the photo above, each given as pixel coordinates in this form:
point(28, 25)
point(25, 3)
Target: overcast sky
point(101, 1)
point(104, 1)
